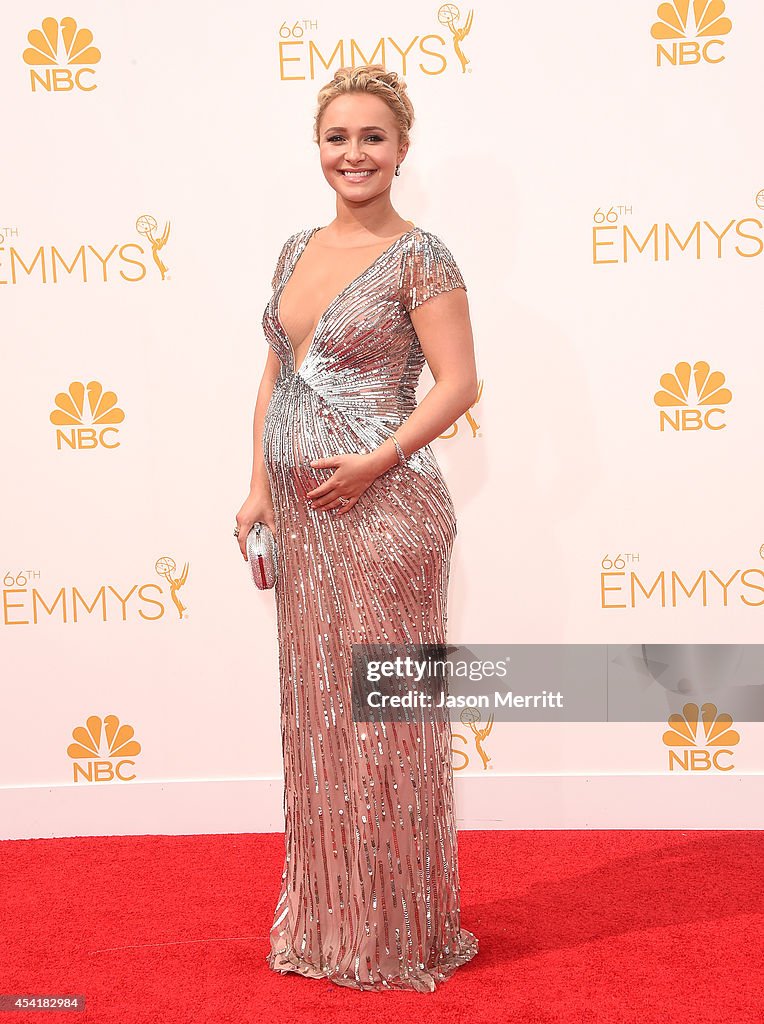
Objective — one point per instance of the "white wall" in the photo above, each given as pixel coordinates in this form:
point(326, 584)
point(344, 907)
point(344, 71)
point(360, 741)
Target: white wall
point(563, 134)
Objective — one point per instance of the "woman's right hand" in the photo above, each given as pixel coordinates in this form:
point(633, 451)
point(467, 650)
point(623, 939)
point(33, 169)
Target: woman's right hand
point(258, 508)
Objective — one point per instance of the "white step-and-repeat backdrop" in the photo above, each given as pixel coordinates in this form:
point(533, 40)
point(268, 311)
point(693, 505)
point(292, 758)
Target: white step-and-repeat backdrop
point(597, 171)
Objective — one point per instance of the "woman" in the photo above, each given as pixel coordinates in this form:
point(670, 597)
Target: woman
point(364, 524)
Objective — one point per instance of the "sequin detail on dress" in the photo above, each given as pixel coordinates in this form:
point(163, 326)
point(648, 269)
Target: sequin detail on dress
point(370, 892)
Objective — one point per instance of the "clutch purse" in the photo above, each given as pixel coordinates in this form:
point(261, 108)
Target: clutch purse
point(262, 555)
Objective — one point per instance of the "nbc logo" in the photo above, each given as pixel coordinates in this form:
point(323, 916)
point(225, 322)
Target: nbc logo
point(64, 55)
point(90, 414)
point(692, 29)
point(691, 398)
point(106, 747)
point(694, 755)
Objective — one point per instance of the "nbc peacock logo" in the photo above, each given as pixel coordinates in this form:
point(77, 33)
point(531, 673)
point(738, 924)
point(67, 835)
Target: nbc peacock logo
point(86, 417)
point(61, 57)
point(699, 738)
point(103, 750)
point(688, 33)
point(692, 397)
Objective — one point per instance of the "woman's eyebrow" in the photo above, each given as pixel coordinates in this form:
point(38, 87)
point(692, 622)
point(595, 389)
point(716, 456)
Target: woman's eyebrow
point(366, 128)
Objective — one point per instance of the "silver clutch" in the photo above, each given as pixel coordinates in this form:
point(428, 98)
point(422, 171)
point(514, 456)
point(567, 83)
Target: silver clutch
point(262, 555)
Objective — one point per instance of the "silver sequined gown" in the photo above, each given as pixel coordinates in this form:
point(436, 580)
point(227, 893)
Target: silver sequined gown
point(370, 893)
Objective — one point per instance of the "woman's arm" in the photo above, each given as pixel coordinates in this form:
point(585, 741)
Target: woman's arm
point(259, 476)
point(444, 330)
point(258, 505)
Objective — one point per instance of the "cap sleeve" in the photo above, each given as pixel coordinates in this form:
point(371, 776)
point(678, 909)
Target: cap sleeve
point(281, 263)
point(428, 269)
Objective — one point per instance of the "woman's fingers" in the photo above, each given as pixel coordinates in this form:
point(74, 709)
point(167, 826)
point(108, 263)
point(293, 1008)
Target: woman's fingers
point(327, 499)
point(346, 508)
point(323, 493)
point(242, 538)
point(337, 505)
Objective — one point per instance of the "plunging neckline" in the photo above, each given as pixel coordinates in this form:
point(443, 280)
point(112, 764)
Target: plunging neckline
point(296, 369)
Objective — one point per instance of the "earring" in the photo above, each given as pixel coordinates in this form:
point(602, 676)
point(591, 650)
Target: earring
point(398, 169)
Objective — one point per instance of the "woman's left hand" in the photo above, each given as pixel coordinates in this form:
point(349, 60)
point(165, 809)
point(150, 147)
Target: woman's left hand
point(354, 474)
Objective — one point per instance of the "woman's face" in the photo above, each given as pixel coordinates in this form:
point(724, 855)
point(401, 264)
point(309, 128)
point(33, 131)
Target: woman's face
point(358, 132)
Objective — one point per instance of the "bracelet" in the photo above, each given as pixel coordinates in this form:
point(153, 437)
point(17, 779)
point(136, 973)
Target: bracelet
point(399, 450)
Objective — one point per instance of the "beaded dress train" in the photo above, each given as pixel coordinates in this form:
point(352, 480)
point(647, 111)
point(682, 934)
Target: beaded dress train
point(370, 891)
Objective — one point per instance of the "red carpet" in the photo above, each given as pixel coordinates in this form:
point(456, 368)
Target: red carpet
point(584, 927)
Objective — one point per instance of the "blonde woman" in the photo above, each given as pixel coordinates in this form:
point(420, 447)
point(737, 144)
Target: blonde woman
point(364, 523)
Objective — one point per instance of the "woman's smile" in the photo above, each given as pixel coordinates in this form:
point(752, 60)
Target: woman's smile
point(357, 175)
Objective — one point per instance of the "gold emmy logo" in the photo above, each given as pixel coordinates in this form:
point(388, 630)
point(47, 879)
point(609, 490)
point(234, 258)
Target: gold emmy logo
point(622, 586)
point(674, 23)
point(693, 411)
point(146, 225)
point(103, 765)
point(717, 734)
point(616, 241)
point(448, 15)
point(165, 567)
point(90, 413)
point(48, 264)
point(64, 51)
point(470, 717)
point(301, 56)
point(474, 425)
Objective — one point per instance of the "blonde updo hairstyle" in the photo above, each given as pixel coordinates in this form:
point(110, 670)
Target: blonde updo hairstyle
point(373, 78)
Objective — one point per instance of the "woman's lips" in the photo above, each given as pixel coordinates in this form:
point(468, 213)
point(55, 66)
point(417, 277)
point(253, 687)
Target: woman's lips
point(357, 175)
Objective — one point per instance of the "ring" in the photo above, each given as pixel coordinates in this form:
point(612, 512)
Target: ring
point(236, 531)
point(343, 501)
